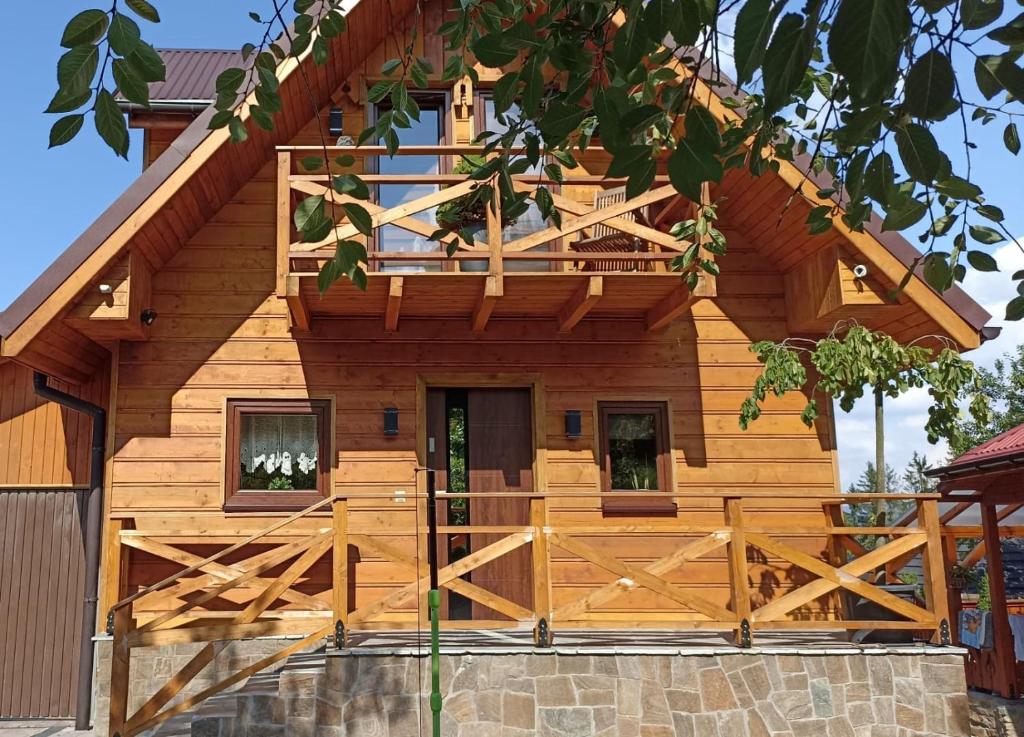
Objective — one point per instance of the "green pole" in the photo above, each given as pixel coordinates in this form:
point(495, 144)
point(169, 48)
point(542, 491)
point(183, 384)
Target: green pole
point(434, 606)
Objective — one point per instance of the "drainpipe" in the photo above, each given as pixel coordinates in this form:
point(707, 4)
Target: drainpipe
point(92, 529)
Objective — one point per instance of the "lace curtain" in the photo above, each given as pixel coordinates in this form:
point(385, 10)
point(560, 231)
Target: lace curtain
point(278, 444)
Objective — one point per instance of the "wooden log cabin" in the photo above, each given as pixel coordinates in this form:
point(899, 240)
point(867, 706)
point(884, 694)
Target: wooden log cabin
point(263, 443)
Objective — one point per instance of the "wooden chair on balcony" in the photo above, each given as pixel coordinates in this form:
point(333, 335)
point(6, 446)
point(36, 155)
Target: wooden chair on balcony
point(605, 239)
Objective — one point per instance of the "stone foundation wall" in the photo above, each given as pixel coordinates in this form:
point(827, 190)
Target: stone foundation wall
point(992, 716)
point(755, 693)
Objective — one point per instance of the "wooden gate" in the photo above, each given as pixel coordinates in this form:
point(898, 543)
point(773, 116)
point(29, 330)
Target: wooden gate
point(42, 575)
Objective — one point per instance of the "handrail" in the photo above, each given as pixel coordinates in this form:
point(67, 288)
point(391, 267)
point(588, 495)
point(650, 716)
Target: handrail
point(217, 556)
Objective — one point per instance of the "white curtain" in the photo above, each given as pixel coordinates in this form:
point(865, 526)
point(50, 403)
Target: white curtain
point(284, 443)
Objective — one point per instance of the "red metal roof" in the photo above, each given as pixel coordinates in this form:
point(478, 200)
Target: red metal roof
point(191, 73)
point(1001, 447)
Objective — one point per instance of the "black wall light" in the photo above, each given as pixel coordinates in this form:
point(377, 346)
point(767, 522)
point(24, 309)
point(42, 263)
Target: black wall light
point(573, 424)
point(390, 421)
point(148, 316)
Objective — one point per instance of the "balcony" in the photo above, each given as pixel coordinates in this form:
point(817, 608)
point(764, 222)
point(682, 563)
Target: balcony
point(609, 259)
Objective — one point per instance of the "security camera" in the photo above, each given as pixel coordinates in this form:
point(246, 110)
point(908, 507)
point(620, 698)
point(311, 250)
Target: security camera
point(860, 271)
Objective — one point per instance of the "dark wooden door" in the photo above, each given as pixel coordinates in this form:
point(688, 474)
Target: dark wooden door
point(500, 443)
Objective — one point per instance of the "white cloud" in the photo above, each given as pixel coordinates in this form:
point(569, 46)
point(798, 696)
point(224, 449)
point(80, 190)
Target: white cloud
point(905, 417)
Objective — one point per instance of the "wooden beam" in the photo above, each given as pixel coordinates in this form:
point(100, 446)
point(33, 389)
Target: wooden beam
point(1005, 662)
point(582, 302)
point(284, 221)
point(394, 307)
point(298, 312)
point(494, 289)
point(680, 300)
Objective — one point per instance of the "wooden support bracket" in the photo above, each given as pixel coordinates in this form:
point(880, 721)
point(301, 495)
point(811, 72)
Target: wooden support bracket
point(494, 289)
point(298, 312)
point(675, 304)
point(394, 306)
point(582, 302)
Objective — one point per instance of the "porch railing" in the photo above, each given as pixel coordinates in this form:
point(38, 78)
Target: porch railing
point(546, 249)
point(270, 600)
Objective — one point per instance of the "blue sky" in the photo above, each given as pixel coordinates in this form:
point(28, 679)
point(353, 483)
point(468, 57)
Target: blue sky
point(50, 197)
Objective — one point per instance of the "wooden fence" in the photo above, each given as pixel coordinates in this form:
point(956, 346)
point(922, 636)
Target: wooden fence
point(275, 604)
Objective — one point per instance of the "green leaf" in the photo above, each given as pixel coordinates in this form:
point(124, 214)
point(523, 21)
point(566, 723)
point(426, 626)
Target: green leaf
point(352, 185)
point(220, 119)
point(929, 87)
point(753, 28)
point(124, 34)
point(628, 160)
point(879, 178)
point(321, 52)
point(359, 217)
point(630, 42)
point(308, 212)
point(907, 212)
point(958, 188)
point(263, 119)
point(333, 24)
point(76, 68)
point(144, 10)
point(937, 271)
point(996, 73)
point(110, 123)
point(702, 129)
point(146, 63)
point(991, 212)
point(919, 152)
point(311, 163)
point(688, 167)
point(85, 28)
point(492, 51)
point(230, 80)
point(786, 58)
point(130, 86)
point(864, 44)
point(390, 66)
point(65, 129)
point(641, 178)
point(64, 102)
point(1015, 309)
point(237, 129)
point(985, 234)
point(1011, 139)
point(982, 261)
point(330, 272)
point(1012, 34)
point(976, 14)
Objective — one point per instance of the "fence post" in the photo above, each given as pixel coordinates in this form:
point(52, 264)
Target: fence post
point(935, 584)
point(541, 571)
point(120, 661)
point(339, 577)
point(495, 263)
point(738, 578)
point(284, 221)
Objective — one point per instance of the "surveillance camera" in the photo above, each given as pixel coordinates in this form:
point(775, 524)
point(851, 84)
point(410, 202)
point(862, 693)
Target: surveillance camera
point(860, 271)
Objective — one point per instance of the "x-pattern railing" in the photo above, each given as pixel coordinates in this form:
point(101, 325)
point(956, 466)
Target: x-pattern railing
point(238, 593)
point(576, 218)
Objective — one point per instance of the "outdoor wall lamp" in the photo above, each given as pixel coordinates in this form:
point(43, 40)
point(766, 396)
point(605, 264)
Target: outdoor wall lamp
point(573, 424)
point(390, 421)
point(148, 316)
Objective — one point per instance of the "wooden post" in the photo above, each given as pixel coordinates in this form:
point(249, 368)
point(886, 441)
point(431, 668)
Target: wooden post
point(1002, 638)
point(284, 220)
point(339, 581)
point(111, 578)
point(935, 583)
point(738, 578)
point(495, 264)
point(541, 569)
point(951, 559)
point(120, 657)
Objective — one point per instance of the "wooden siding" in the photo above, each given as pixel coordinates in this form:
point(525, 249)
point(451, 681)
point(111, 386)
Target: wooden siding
point(42, 443)
point(42, 570)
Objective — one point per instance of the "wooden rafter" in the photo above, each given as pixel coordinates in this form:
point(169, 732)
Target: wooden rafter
point(298, 311)
point(678, 302)
point(394, 305)
point(494, 289)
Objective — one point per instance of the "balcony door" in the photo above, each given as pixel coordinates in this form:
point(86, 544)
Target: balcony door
point(429, 130)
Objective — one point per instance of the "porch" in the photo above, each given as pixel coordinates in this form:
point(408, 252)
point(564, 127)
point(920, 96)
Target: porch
point(262, 585)
point(609, 259)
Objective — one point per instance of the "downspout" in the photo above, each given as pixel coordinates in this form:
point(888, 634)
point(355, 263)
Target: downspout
point(92, 531)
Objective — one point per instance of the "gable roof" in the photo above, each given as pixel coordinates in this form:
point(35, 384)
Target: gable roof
point(201, 170)
point(995, 454)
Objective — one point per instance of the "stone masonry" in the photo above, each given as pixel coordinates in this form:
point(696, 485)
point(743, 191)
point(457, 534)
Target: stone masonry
point(741, 694)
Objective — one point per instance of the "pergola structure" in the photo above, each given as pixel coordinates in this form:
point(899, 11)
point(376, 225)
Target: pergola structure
point(983, 494)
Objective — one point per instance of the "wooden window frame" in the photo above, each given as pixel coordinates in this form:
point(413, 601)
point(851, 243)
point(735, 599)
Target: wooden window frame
point(239, 500)
point(644, 505)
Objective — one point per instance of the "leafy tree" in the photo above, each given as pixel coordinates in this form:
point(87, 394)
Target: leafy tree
point(852, 91)
point(1004, 387)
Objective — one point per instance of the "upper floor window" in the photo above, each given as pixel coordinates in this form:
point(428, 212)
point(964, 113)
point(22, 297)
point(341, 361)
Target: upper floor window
point(277, 453)
point(635, 455)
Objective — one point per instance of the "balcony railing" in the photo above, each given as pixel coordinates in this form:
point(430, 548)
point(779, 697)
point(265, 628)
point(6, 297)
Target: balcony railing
point(267, 577)
point(644, 247)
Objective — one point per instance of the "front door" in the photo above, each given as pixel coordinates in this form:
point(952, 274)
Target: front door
point(482, 441)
